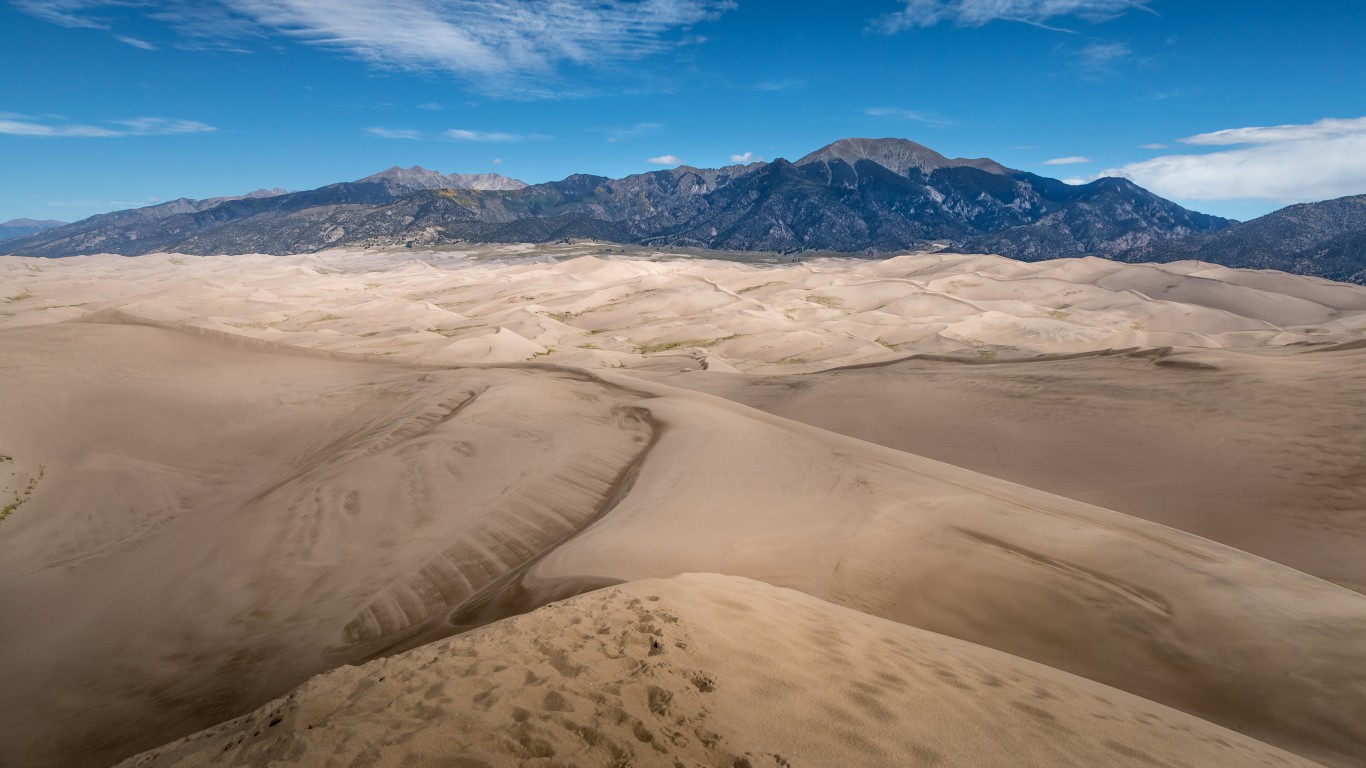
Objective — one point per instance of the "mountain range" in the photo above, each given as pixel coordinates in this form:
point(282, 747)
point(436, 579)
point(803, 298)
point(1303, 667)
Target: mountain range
point(1326, 239)
point(872, 196)
point(21, 227)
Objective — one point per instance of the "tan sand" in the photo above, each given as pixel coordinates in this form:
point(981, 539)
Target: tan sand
point(498, 304)
point(707, 670)
point(237, 473)
point(1265, 453)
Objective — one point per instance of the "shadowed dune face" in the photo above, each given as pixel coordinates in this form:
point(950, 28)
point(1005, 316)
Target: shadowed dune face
point(220, 524)
point(710, 670)
point(223, 500)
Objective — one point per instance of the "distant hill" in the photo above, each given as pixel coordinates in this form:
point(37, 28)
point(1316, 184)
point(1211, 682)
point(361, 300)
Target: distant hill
point(851, 196)
point(21, 227)
point(1326, 239)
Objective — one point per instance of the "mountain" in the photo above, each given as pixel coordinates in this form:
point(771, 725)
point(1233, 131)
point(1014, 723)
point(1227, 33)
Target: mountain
point(855, 195)
point(896, 155)
point(1326, 239)
point(417, 178)
point(21, 227)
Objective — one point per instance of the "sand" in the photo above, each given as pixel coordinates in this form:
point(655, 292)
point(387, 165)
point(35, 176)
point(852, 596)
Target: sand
point(709, 670)
point(237, 473)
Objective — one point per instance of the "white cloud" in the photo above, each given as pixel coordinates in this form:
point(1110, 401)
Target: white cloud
point(135, 42)
point(1073, 160)
point(742, 158)
point(497, 161)
point(779, 85)
point(615, 135)
point(1099, 59)
point(431, 106)
point(21, 125)
point(1285, 164)
point(1324, 129)
point(975, 13)
point(897, 113)
point(1075, 181)
point(68, 13)
point(665, 160)
point(461, 134)
point(499, 44)
point(1153, 146)
point(395, 133)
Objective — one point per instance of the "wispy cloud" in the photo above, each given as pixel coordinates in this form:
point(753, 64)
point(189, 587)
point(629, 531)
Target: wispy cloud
point(135, 42)
point(395, 133)
point(68, 13)
point(461, 134)
point(744, 157)
point(1073, 160)
point(1153, 146)
point(430, 106)
point(1283, 163)
point(914, 115)
point(499, 45)
point(779, 85)
point(975, 13)
point(665, 160)
point(628, 133)
point(1328, 128)
point(1098, 60)
point(22, 125)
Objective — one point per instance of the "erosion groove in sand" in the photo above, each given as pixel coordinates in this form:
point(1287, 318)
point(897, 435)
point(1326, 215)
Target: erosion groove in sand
point(470, 575)
point(1144, 598)
point(238, 496)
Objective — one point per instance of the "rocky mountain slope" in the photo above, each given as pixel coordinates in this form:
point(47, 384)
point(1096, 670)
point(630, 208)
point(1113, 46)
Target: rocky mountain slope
point(855, 195)
point(1326, 239)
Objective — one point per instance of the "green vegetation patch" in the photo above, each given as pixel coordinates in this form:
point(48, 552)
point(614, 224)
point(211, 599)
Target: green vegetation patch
point(22, 496)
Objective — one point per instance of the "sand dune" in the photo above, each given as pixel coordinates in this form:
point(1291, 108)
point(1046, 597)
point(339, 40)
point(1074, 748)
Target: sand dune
point(238, 473)
point(507, 304)
point(709, 670)
point(1265, 453)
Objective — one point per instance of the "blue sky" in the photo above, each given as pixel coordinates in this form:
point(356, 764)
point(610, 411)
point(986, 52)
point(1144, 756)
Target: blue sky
point(1233, 108)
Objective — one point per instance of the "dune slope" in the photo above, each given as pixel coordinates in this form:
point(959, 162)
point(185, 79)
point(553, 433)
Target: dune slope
point(220, 520)
point(708, 670)
point(1265, 453)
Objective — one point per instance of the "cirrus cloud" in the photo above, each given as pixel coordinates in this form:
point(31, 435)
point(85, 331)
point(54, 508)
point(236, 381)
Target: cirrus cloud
point(24, 125)
point(976, 13)
point(510, 46)
point(395, 133)
point(665, 160)
point(461, 134)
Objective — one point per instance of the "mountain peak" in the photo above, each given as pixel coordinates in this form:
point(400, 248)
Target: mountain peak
point(418, 178)
point(897, 155)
